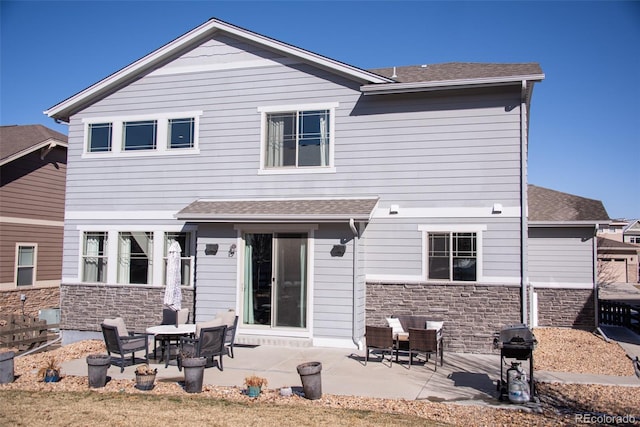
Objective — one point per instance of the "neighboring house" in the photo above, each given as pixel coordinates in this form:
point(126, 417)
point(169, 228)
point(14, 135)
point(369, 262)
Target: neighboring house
point(562, 249)
point(617, 262)
point(312, 196)
point(33, 165)
point(631, 233)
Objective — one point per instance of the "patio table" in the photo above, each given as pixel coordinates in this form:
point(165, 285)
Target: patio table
point(168, 332)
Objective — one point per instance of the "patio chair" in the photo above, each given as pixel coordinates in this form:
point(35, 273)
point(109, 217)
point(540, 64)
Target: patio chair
point(425, 341)
point(121, 342)
point(230, 319)
point(379, 338)
point(170, 316)
point(208, 343)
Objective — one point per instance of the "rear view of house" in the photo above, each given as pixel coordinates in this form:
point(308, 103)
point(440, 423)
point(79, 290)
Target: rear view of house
point(33, 162)
point(311, 196)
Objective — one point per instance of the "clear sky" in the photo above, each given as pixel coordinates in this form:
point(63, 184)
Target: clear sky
point(585, 118)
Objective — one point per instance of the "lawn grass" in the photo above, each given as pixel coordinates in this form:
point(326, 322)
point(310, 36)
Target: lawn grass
point(53, 409)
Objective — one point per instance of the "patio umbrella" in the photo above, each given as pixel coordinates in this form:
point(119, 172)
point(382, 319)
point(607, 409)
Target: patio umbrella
point(173, 293)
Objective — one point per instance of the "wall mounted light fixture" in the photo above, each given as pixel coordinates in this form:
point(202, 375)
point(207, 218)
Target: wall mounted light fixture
point(338, 250)
point(211, 249)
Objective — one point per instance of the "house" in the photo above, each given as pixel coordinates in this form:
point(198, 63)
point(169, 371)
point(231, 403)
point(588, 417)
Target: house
point(562, 249)
point(631, 233)
point(310, 195)
point(618, 262)
point(33, 160)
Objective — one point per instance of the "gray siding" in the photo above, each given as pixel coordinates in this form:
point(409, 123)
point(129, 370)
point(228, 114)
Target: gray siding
point(560, 255)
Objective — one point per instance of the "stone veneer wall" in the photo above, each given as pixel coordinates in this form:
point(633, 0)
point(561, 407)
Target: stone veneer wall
point(472, 313)
point(36, 300)
point(85, 306)
point(572, 308)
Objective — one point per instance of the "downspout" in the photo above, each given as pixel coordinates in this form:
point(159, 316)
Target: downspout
point(354, 334)
point(596, 290)
point(524, 213)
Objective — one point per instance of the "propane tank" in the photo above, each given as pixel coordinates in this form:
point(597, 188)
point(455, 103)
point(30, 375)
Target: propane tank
point(517, 384)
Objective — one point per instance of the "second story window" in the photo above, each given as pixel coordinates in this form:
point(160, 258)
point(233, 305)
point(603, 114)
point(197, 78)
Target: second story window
point(139, 135)
point(298, 139)
point(99, 137)
point(181, 133)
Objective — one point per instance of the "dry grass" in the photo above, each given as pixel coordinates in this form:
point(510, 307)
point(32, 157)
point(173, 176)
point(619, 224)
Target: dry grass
point(21, 408)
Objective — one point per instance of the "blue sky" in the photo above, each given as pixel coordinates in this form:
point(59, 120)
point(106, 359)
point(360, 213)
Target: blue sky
point(584, 135)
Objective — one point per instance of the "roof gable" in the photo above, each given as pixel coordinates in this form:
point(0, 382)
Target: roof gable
point(554, 206)
point(193, 38)
point(17, 141)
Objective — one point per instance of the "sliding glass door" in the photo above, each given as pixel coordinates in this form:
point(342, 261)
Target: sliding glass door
point(275, 279)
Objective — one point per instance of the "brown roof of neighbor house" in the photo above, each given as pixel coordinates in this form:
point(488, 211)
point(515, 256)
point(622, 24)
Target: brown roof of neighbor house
point(16, 139)
point(280, 210)
point(550, 205)
point(457, 71)
point(614, 244)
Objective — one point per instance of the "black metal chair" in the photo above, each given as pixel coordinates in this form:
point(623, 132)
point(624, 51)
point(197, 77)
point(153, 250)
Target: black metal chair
point(208, 343)
point(425, 341)
point(170, 316)
point(122, 345)
point(380, 339)
point(230, 337)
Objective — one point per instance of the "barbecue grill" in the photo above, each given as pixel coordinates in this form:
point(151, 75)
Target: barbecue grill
point(515, 342)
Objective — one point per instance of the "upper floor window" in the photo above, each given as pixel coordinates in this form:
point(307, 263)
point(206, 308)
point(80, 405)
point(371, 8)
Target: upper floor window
point(140, 135)
point(297, 138)
point(26, 264)
point(99, 137)
point(181, 133)
point(143, 135)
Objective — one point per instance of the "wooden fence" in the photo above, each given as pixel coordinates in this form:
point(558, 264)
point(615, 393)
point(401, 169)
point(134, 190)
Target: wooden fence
point(24, 333)
point(619, 314)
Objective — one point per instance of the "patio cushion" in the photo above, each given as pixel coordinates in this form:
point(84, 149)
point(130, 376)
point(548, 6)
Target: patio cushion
point(228, 317)
point(118, 322)
point(395, 325)
point(432, 324)
point(215, 322)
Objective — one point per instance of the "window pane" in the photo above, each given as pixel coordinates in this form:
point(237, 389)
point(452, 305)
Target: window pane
point(184, 240)
point(464, 256)
point(25, 255)
point(439, 256)
point(313, 138)
point(139, 135)
point(99, 137)
point(25, 276)
point(135, 255)
point(94, 254)
point(181, 133)
point(26, 262)
point(298, 139)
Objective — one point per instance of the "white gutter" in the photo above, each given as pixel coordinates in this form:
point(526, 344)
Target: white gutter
point(525, 204)
point(356, 236)
point(386, 88)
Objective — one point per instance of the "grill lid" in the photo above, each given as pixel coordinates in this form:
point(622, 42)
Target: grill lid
point(517, 335)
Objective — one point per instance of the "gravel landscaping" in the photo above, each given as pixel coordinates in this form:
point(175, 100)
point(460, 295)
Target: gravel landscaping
point(560, 350)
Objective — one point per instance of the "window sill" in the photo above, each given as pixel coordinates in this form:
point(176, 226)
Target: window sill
point(293, 171)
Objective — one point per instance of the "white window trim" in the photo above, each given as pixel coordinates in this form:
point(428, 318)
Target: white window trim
point(16, 265)
point(331, 106)
point(452, 228)
point(162, 135)
point(112, 250)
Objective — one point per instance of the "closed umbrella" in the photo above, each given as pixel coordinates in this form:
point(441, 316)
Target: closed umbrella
point(173, 293)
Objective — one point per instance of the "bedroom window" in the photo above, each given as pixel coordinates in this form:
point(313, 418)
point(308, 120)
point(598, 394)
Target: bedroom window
point(181, 133)
point(452, 256)
point(298, 139)
point(140, 135)
point(99, 137)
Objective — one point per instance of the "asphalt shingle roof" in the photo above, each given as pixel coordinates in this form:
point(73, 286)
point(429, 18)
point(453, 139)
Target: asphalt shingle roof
point(457, 71)
point(14, 139)
point(550, 205)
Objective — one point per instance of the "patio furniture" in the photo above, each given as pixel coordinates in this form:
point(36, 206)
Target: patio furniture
point(230, 319)
point(209, 342)
point(170, 316)
point(425, 341)
point(121, 342)
point(379, 338)
point(170, 333)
